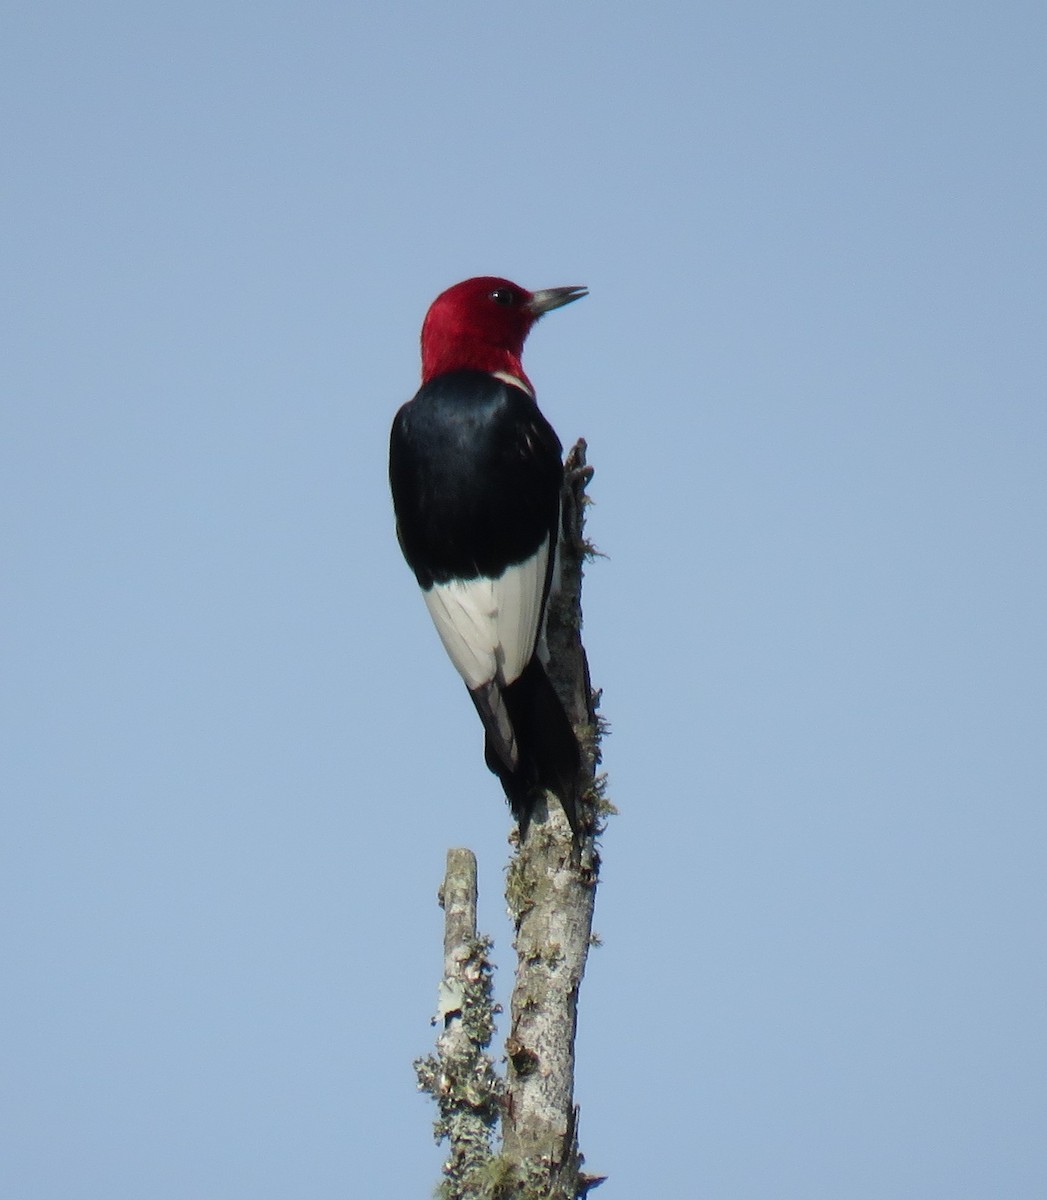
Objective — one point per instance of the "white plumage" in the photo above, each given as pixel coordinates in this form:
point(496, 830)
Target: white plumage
point(489, 627)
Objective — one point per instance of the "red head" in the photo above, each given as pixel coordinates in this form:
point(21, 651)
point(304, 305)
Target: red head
point(482, 325)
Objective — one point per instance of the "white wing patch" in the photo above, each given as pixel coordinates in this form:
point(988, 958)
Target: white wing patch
point(489, 627)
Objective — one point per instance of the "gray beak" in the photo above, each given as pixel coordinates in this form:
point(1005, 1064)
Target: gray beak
point(545, 301)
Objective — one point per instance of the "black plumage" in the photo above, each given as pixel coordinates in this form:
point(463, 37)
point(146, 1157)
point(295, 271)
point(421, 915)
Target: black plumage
point(476, 472)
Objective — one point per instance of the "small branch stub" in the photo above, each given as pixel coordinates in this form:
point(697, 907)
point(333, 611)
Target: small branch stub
point(460, 1076)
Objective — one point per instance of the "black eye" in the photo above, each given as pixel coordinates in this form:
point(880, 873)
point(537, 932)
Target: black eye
point(503, 296)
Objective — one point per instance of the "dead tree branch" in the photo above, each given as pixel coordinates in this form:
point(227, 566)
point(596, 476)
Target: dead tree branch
point(461, 1077)
point(550, 891)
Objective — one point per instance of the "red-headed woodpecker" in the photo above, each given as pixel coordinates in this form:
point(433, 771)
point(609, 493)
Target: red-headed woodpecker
point(476, 473)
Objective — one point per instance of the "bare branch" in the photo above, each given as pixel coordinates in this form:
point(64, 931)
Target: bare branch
point(461, 1076)
point(551, 891)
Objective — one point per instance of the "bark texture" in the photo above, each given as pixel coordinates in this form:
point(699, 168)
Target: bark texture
point(460, 1076)
point(550, 891)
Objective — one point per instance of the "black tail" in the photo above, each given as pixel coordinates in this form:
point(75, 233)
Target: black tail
point(546, 755)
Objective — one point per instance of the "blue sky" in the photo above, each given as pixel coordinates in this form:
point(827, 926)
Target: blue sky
point(811, 372)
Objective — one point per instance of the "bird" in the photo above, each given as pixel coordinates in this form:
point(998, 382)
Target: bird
point(476, 471)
